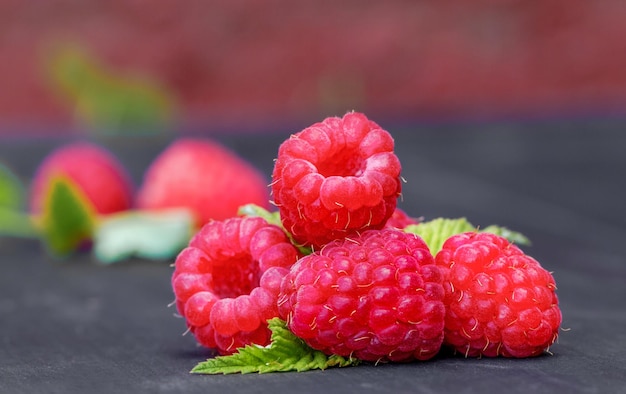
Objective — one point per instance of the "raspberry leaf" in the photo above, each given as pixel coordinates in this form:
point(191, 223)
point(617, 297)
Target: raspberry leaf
point(154, 235)
point(435, 232)
point(286, 352)
point(68, 217)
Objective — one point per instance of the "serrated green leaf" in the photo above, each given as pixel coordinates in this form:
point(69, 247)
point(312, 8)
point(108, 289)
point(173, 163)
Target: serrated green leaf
point(286, 352)
point(67, 219)
point(154, 235)
point(253, 210)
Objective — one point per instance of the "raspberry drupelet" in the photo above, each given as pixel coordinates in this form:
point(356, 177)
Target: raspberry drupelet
point(376, 297)
point(226, 281)
point(500, 301)
point(336, 178)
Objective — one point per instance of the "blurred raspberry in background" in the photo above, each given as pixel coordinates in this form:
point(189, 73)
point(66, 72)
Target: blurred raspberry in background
point(134, 64)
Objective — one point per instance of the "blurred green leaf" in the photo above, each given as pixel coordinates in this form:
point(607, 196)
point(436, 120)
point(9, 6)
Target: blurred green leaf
point(68, 218)
point(11, 189)
point(16, 223)
point(107, 100)
point(155, 235)
point(13, 221)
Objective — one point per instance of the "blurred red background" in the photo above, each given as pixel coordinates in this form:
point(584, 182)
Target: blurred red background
point(241, 64)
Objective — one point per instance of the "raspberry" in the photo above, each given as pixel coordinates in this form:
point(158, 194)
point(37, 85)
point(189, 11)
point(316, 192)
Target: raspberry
point(93, 169)
point(377, 297)
point(226, 281)
point(500, 301)
point(203, 176)
point(336, 178)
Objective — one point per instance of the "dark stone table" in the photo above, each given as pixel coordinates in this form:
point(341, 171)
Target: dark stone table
point(77, 326)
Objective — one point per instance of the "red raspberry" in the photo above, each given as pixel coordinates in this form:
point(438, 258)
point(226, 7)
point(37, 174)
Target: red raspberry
point(203, 176)
point(226, 281)
point(377, 297)
point(93, 169)
point(336, 178)
point(500, 301)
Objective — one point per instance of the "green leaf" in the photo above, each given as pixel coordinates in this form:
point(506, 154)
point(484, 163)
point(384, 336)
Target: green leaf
point(11, 190)
point(435, 232)
point(271, 218)
point(17, 224)
point(154, 235)
point(105, 99)
point(286, 352)
point(68, 217)
point(13, 221)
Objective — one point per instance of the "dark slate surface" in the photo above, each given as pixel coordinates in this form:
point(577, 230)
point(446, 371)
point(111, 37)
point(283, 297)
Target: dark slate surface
point(75, 326)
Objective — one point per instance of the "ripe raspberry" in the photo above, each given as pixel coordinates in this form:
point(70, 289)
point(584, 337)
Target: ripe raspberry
point(226, 281)
point(500, 301)
point(203, 176)
point(93, 169)
point(377, 297)
point(336, 178)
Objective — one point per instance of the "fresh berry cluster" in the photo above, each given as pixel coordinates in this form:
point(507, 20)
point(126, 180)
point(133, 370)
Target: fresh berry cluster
point(368, 288)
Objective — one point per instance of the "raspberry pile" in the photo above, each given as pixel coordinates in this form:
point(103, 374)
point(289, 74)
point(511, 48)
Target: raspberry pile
point(342, 269)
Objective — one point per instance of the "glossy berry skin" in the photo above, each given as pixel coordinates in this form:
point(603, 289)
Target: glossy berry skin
point(336, 178)
point(376, 297)
point(203, 176)
point(95, 171)
point(500, 301)
point(226, 281)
